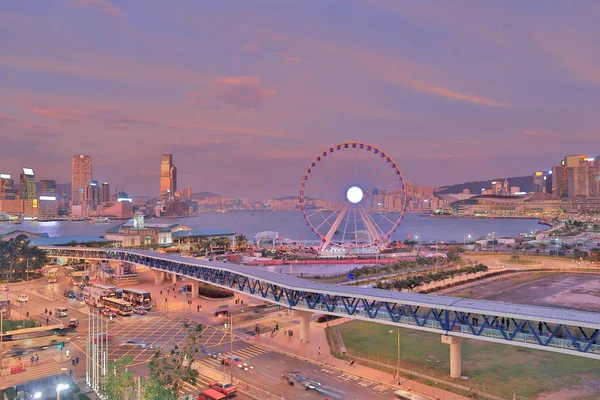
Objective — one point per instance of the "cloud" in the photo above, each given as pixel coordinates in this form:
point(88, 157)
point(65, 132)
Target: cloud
point(103, 5)
point(229, 129)
point(537, 133)
point(445, 92)
point(251, 48)
point(242, 91)
point(64, 115)
point(292, 59)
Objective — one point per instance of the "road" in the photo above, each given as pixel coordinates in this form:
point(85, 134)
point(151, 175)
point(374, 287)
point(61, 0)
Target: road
point(164, 330)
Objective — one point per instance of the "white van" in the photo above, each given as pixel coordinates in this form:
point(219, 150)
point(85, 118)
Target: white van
point(61, 312)
point(23, 298)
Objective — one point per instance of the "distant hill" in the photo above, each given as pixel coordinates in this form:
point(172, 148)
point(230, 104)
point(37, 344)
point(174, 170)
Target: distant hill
point(288, 198)
point(203, 195)
point(523, 182)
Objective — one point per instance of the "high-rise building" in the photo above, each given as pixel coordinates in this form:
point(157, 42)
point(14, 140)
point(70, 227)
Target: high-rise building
point(560, 187)
point(81, 176)
point(27, 185)
point(187, 193)
point(539, 184)
point(105, 192)
point(168, 176)
point(8, 191)
point(47, 187)
point(505, 187)
point(496, 187)
point(548, 179)
point(92, 194)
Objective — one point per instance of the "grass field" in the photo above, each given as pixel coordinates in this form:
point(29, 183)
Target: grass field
point(503, 369)
point(519, 261)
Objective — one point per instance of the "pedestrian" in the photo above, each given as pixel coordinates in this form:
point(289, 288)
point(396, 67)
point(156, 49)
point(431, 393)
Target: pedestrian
point(47, 321)
point(242, 302)
point(161, 292)
point(45, 311)
point(37, 358)
point(70, 373)
point(540, 327)
point(168, 291)
point(352, 363)
point(27, 314)
point(32, 360)
point(502, 322)
point(277, 327)
point(319, 350)
point(198, 308)
point(507, 323)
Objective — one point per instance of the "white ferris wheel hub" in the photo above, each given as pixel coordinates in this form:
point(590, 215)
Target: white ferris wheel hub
point(354, 195)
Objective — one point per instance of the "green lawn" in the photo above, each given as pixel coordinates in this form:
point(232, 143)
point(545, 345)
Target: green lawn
point(519, 261)
point(503, 369)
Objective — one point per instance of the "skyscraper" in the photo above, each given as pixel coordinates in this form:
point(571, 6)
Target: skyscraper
point(168, 176)
point(81, 176)
point(560, 187)
point(187, 194)
point(47, 187)
point(8, 191)
point(105, 192)
point(27, 185)
point(92, 194)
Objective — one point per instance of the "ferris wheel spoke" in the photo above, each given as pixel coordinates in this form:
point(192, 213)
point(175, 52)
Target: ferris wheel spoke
point(326, 220)
point(387, 219)
point(384, 173)
point(345, 228)
point(372, 173)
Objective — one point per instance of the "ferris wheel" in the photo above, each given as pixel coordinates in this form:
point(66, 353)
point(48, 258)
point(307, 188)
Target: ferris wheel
point(353, 196)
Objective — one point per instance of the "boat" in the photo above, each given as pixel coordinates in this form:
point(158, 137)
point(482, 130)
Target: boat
point(101, 220)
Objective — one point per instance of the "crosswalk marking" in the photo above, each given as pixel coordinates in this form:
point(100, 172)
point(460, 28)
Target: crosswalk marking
point(201, 384)
point(41, 371)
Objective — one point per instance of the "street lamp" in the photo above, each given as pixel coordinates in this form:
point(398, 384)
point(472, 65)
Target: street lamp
point(59, 388)
point(27, 269)
point(398, 361)
point(229, 325)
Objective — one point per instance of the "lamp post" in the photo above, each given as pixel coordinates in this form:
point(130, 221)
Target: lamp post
point(398, 361)
point(27, 269)
point(229, 325)
point(60, 388)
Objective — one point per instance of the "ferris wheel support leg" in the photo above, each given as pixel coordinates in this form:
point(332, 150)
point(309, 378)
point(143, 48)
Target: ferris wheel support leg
point(370, 225)
point(334, 227)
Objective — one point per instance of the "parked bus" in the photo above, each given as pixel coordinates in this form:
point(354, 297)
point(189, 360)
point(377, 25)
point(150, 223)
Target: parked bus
point(139, 298)
point(94, 293)
point(53, 275)
point(121, 307)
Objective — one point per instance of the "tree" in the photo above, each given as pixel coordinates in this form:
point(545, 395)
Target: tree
point(241, 241)
point(155, 391)
point(120, 382)
point(175, 367)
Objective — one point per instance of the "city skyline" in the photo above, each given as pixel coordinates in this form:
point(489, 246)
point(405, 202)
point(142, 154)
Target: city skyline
point(270, 95)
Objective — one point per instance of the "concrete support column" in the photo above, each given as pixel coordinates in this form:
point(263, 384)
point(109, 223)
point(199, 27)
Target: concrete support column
point(195, 289)
point(304, 317)
point(158, 277)
point(455, 355)
point(174, 277)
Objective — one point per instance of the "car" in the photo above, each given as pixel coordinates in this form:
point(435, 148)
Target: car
point(294, 377)
point(226, 388)
point(69, 294)
point(139, 310)
point(229, 359)
point(73, 323)
point(107, 312)
point(101, 337)
point(23, 298)
point(135, 342)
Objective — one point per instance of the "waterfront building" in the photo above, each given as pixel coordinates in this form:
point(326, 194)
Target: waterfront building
point(48, 207)
point(27, 185)
point(137, 233)
point(514, 190)
point(560, 187)
point(8, 191)
point(502, 206)
point(81, 176)
point(105, 193)
point(168, 176)
point(48, 187)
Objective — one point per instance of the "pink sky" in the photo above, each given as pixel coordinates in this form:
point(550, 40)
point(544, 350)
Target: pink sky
point(245, 96)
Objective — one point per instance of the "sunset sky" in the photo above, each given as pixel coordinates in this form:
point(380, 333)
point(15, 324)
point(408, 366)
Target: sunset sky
point(245, 94)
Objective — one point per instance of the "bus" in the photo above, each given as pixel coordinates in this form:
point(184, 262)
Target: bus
point(120, 306)
point(53, 275)
point(139, 298)
point(17, 342)
point(94, 293)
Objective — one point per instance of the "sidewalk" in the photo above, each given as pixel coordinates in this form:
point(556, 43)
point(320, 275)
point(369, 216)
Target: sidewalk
point(318, 340)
